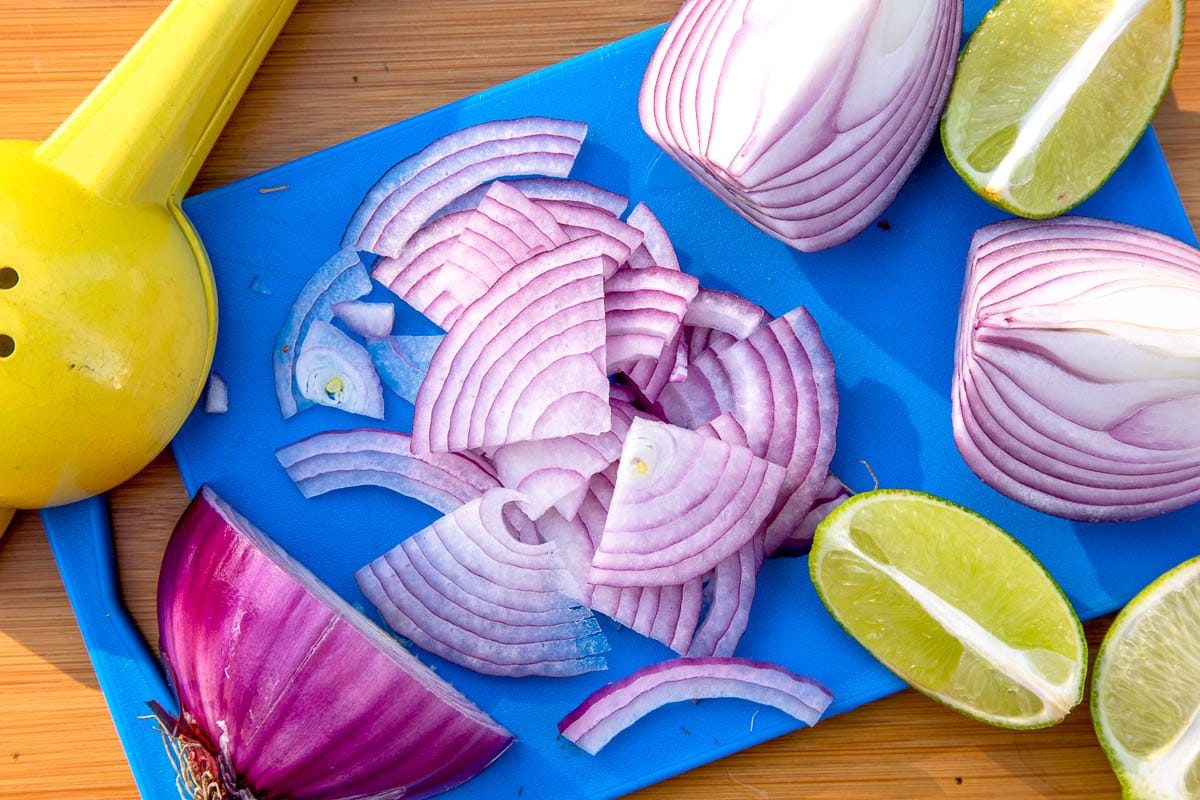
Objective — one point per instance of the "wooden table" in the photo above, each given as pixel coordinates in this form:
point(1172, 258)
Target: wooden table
point(339, 69)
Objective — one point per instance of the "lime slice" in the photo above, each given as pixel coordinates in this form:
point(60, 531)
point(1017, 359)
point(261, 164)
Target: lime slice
point(1146, 689)
point(1051, 95)
point(953, 605)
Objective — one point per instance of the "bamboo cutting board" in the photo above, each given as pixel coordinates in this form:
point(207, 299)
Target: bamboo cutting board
point(340, 69)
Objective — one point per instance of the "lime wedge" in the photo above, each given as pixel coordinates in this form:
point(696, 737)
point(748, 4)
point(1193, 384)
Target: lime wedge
point(1146, 689)
point(1051, 95)
point(953, 605)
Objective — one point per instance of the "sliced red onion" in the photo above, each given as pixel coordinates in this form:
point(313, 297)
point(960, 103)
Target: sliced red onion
point(334, 370)
point(656, 248)
point(403, 361)
point(779, 384)
point(729, 589)
point(421, 277)
point(580, 220)
point(805, 119)
point(216, 396)
point(468, 590)
point(683, 502)
point(643, 311)
point(416, 188)
point(725, 311)
point(526, 360)
point(833, 493)
point(368, 320)
point(370, 457)
point(261, 653)
point(1077, 369)
point(343, 277)
point(666, 614)
point(615, 707)
point(556, 472)
point(729, 593)
point(649, 376)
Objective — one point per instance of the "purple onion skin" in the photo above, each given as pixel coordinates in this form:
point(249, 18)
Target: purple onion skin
point(294, 693)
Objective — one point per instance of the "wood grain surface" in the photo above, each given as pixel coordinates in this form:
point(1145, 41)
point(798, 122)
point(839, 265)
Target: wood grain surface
point(339, 69)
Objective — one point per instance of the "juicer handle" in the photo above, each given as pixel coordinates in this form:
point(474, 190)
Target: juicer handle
point(126, 668)
point(143, 133)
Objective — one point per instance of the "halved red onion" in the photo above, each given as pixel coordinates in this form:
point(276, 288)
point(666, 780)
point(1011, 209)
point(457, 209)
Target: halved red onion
point(526, 360)
point(403, 361)
point(683, 501)
point(286, 691)
point(806, 119)
point(656, 248)
point(779, 384)
point(370, 457)
point(613, 708)
point(468, 590)
point(413, 190)
point(342, 277)
point(643, 311)
point(368, 320)
point(1077, 368)
point(334, 370)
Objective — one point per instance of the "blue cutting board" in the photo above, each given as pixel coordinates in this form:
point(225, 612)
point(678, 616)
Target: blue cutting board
point(886, 302)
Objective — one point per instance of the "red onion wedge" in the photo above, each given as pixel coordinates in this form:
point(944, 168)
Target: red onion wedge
point(1077, 368)
point(804, 118)
point(468, 590)
point(342, 277)
point(615, 707)
point(526, 360)
point(417, 187)
point(683, 501)
point(368, 457)
point(287, 691)
point(656, 248)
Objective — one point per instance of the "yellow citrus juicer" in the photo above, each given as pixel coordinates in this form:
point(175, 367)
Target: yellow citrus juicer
point(108, 313)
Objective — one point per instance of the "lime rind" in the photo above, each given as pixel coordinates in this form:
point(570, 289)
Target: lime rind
point(1146, 689)
point(994, 672)
point(1067, 143)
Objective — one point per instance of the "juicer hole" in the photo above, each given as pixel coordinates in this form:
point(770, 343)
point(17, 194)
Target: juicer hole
point(8, 277)
point(7, 345)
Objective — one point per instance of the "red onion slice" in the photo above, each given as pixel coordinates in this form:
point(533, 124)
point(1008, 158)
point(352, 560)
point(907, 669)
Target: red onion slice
point(779, 384)
point(403, 362)
point(342, 277)
point(833, 493)
point(368, 320)
point(334, 370)
point(261, 654)
point(643, 311)
point(656, 247)
point(805, 119)
point(615, 707)
point(468, 590)
point(370, 457)
point(526, 360)
point(1077, 374)
point(725, 311)
point(556, 472)
point(683, 501)
point(730, 594)
point(416, 188)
